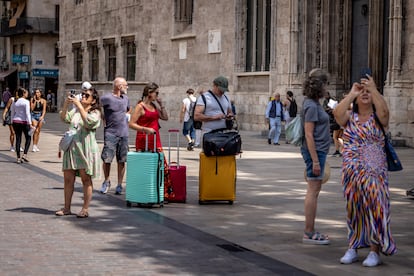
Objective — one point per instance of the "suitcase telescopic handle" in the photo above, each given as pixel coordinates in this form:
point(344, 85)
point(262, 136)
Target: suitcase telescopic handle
point(177, 131)
point(155, 141)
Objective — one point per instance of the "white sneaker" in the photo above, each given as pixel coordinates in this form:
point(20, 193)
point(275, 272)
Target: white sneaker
point(350, 257)
point(372, 259)
point(35, 148)
point(12, 149)
point(105, 187)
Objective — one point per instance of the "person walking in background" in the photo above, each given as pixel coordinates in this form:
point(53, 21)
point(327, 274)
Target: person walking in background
point(233, 110)
point(186, 118)
point(329, 104)
point(49, 101)
point(7, 120)
point(290, 106)
point(365, 173)
point(290, 109)
point(22, 122)
point(82, 156)
point(115, 106)
point(200, 91)
point(274, 115)
point(38, 107)
point(6, 96)
point(314, 149)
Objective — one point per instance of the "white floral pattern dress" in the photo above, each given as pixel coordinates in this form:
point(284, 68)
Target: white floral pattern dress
point(84, 152)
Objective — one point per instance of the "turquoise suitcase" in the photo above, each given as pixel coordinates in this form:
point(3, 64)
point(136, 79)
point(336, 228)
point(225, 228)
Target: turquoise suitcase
point(145, 179)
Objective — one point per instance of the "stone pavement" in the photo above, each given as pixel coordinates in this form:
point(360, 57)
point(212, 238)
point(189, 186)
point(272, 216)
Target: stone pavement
point(259, 235)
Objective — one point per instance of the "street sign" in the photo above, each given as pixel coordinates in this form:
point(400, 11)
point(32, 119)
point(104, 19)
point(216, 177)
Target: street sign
point(24, 75)
point(20, 58)
point(51, 73)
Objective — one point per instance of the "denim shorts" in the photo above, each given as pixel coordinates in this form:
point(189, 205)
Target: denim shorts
point(188, 128)
point(309, 164)
point(114, 146)
point(36, 116)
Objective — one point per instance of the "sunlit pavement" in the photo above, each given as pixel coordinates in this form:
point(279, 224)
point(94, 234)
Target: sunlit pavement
point(260, 234)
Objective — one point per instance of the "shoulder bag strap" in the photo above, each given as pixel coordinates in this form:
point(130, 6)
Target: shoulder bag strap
point(380, 125)
point(222, 110)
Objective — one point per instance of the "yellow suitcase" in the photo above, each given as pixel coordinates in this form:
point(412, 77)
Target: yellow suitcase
point(217, 178)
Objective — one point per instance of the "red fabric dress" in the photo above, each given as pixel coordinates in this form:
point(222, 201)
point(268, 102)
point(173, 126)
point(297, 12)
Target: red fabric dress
point(149, 119)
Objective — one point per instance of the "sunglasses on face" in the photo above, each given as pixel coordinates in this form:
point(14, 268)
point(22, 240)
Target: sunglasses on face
point(156, 92)
point(86, 95)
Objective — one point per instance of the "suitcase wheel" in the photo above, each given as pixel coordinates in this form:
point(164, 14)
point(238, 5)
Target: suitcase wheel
point(128, 203)
point(200, 202)
point(230, 202)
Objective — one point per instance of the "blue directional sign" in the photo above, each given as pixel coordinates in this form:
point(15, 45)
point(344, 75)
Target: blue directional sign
point(23, 75)
point(51, 73)
point(20, 58)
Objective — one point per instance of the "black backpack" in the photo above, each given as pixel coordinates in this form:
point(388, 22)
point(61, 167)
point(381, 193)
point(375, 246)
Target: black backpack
point(293, 108)
point(191, 108)
point(197, 124)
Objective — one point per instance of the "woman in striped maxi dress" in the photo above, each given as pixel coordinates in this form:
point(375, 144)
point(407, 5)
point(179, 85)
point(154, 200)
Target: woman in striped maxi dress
point(364, 173)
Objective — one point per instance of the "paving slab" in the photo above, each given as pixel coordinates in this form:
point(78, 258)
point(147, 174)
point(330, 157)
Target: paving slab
point(260, 234)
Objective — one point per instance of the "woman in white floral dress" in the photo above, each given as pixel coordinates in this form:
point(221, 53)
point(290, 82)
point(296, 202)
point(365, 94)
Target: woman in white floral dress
point(82, 158)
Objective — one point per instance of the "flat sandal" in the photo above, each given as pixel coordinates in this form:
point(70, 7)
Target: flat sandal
point(63, 212)
point(83, 214)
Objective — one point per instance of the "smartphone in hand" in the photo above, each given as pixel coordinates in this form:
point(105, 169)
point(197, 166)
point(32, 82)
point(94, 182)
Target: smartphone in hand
point(364, 72)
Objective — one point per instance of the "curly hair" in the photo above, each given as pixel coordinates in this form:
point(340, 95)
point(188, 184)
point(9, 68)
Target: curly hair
point(314, 84)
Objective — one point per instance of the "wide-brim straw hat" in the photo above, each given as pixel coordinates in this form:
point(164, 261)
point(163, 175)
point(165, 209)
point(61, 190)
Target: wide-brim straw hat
point(326, 176)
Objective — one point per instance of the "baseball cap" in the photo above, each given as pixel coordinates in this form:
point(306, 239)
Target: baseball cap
point(222, 83)
point(86, 85)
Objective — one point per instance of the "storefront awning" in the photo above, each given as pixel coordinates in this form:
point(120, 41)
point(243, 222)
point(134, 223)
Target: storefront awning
point(5, 74)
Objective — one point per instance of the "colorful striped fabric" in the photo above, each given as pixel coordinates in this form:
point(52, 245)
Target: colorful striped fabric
point(365, 183)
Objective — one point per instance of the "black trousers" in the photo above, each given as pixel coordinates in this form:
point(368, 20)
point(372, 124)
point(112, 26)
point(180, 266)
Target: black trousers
point(20, 129)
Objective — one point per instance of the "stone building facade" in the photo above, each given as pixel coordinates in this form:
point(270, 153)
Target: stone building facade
point(30, 32)
point(262, 46)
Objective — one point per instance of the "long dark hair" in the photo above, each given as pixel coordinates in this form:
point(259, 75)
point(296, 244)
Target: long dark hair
point(20, 92)
point(97, 104)
point(150, 87)
point(314, 84)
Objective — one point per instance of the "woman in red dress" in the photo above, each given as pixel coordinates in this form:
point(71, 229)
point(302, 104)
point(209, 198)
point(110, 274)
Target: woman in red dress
point(145, 118)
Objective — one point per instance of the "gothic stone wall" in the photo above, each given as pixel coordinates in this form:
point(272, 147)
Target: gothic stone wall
point(399, 91)
point(158, 44)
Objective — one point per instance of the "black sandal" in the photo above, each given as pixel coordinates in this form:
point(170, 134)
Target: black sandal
point(315, 238)
point(24, 158)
